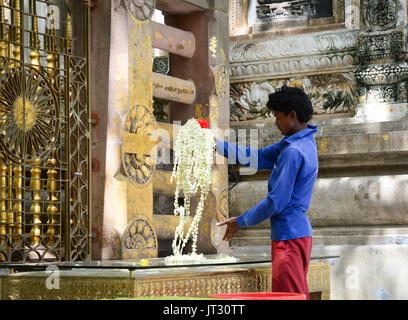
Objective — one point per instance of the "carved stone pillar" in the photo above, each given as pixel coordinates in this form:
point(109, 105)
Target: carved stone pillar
point(130, 225)
point(383, 73)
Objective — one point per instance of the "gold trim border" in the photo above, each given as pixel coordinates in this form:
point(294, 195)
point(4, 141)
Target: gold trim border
point(178, 282)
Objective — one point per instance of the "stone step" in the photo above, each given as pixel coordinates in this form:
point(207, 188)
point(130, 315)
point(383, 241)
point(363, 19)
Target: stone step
point(329, 240)
point(360, 240)
point(250, 241)
point(331, 236)
point(251, 232)
point(360, 230)
point(322, 231)
point(251, 250)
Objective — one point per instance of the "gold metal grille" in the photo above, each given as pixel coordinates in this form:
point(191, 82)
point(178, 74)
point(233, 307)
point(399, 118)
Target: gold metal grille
point(44, 136)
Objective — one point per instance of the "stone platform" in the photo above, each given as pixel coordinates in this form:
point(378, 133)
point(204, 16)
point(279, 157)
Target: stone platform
point(197, 281)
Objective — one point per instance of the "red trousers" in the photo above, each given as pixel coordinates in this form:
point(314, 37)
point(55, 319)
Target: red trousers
point(290, 262)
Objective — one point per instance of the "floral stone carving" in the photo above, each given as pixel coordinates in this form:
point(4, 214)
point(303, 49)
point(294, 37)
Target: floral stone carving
point(328, 93)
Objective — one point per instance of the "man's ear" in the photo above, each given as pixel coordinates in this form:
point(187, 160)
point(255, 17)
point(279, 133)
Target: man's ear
point(293, 115)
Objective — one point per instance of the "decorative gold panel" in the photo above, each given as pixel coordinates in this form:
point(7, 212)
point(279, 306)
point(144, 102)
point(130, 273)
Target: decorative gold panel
point(29, 113)
point(44, 135)
point(184, 282)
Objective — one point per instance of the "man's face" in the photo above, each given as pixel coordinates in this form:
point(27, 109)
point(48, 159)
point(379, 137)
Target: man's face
point(285, 123)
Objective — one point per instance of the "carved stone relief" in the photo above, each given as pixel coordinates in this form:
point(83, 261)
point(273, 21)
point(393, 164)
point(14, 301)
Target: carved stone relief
point(139, 167)
point(283, 10)
point(381, 74)
point(382, 45)
point(222, 206)
point(339, 9)
point(383, 82)
point(139, 9)
point(328, 93)
point(379, 15)
point(292, 56)
point(268, 11)
point(161, 64)
point(139, 239)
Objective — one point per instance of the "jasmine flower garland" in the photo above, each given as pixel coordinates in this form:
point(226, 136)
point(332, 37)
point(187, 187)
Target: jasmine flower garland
point(193, 157)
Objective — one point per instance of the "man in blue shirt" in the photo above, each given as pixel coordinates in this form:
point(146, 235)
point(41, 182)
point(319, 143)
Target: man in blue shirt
point(294, 165)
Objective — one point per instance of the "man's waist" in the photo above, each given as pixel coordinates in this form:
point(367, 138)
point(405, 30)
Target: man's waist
point(293, 208)
point(290, 226)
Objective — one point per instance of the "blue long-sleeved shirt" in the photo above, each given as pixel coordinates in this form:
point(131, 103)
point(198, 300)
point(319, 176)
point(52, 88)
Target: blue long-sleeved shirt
point(294, 165)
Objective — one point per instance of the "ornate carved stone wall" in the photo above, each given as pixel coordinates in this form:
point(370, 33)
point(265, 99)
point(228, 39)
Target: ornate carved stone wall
point(383, 74)
point(321, 63)
point(359, 91)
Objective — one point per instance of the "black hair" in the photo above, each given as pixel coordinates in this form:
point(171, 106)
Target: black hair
point(287, 99)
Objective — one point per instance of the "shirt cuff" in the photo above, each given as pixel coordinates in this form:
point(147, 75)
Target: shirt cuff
point(241, 222)
point(219, 147)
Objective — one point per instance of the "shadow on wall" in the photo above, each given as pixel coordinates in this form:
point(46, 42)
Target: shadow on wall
point(360, 201)
point(368, 272)
point(365, 222)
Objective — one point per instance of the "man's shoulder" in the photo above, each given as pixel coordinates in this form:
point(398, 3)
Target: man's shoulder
point(307, 151)
point(307, 143)
point(304, 147)
point(292, 151)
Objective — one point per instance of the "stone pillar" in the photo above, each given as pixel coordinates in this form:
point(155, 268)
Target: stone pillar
point(383, 72)
point(125, 174)
point(121, 61)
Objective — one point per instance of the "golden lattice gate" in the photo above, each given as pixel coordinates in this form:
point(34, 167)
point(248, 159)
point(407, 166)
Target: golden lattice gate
point(44, 135)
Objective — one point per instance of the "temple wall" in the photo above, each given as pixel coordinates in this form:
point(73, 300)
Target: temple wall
point(354, 201)
point(358, 208)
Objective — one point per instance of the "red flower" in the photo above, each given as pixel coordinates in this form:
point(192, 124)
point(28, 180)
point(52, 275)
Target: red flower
point(203, 123)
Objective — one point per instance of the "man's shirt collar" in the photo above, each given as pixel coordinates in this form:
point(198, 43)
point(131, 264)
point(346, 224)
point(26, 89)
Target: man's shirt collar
point(311, 129)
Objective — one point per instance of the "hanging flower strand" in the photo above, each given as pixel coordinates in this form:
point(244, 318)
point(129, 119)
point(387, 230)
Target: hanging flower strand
point(193, 156)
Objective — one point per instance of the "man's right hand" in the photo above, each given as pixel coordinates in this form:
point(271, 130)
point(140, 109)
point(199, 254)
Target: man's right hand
point(232, 228)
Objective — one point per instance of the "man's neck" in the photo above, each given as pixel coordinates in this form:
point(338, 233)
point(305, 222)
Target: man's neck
point(298, 128)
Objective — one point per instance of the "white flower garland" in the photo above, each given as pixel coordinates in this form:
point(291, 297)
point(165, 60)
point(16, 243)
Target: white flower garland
point(193, 157)
point(198, 259)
